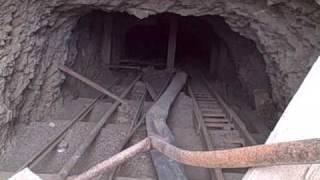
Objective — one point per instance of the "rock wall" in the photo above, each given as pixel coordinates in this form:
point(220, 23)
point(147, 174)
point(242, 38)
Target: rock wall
point(84, 56)
point(34, 36)
point(243, 54)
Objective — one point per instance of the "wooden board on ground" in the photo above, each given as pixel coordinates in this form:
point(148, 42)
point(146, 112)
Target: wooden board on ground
point(156, 126)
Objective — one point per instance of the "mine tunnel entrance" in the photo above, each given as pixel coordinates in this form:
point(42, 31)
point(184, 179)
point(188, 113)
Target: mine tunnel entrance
point(111, 49)
point(101, 41)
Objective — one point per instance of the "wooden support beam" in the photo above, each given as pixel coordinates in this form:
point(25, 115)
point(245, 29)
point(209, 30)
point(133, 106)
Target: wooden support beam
point(90, 83)
point(124, 67)
point(65, 170)
point(142, 63)
point(151, 91)
point(214, 57)
point(156, 126)
point(107, 39)
point(172, 42)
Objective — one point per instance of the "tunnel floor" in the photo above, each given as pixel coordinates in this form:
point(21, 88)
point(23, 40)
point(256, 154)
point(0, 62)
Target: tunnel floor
point(222, 130)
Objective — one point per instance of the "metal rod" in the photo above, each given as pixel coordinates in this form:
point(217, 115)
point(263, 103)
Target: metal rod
point(58, 138)
point(115, 160)
point(90, 83)
point(285, 153)
point(65, 170)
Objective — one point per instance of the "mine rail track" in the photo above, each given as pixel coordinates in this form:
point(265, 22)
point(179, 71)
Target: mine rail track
point(67, 167)
point(224, 136)
point(218, 124)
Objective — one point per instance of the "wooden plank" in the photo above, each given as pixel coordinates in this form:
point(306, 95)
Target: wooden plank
point(107, 39)
point(90, 83)
point(65, 170)
point(216, 120)
point(208, 102)
point(172, 42)
point(216, 173)
point(219, 125)
point(112, 66)
point(203, 105)
point(212, 110)
point(156, 125)
point(206, 115)
point(151, 91)
point(206, 99)
point(137, 62)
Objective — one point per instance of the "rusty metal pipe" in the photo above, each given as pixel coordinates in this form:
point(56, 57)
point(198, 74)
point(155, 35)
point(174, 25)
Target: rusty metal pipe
point(68, 166)
point(115, 160)
point(285, 153)
point(294, 152)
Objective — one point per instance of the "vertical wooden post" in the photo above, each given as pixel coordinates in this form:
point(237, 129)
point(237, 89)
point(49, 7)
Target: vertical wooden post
point(117, 41)
point(172, 42)
point(107, 39)
point(213, 58)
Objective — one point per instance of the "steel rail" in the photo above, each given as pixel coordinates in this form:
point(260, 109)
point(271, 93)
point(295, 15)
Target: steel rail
point(38, 156)
point(68, 166)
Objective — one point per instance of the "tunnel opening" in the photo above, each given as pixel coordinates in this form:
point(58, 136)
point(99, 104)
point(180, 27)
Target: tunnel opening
point(207, 43)
point(102, 40)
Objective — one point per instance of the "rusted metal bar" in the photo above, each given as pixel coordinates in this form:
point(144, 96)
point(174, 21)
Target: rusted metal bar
point(285, 153)
point(115, 160)
point(65, 170)
point(156, 125)
point(90, 83)
point(58, 138)
point(214, 173)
